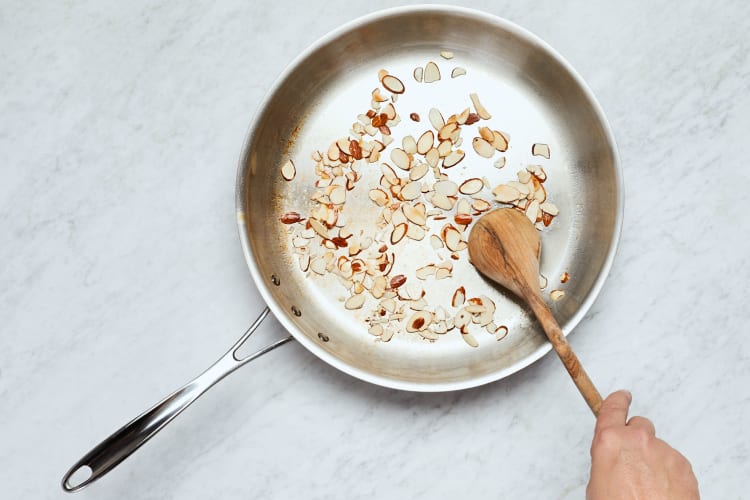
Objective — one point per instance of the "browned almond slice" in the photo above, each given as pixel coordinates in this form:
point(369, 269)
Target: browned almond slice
point(532, 211)
point(436, 242)
point(500, 141)
point(431, 72)
point(463, 116)
point(419, 321)
point(479, 108)
point(393, 84)
point(355, 301)
point(482, 147)
point(486, 134)
point(453, 159)
point(564, 277)
point(389, 174)
point(549, 208)
point(458, 71)
point(397, 281)
point(539, 149)
point(463, 220)
point(418, 171)
point(540, 194)
point(409, 144)
point(377, 96)
point(432, 157)
point(500, 332)
point(425, 142)
point(290, 218)
point(415, 232)
point(379, 196)
point(447, 131)
point(436, 119)
point(400, 158)
point(338, 195)
point(415, 213)
point(506, 194)
point(411, 191)
point(418, 71)
point(556, 294)
point(471, 186)
point(288, 171)
point(398, 233)
point(447, 188)
point(452, 238)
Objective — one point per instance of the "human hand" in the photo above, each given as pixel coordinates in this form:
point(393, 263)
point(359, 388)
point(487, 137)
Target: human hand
point(629, 462)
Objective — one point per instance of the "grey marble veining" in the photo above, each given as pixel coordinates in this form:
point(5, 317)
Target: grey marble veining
point(121, 275)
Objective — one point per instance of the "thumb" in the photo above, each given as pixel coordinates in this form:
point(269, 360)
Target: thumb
point(614, 410)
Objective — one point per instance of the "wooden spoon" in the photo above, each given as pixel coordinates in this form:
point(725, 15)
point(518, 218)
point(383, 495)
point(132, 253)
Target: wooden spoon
point(505, 247)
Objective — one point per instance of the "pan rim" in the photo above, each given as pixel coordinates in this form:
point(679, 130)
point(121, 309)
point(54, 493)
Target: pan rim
point(283, 316)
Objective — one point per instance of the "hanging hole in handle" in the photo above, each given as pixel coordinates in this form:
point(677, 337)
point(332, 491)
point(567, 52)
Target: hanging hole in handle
point(78, 478)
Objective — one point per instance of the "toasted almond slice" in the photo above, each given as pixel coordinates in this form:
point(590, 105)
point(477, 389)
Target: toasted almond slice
point(453, 159)
point(471, 186)
point(393, 84)
point(500, 332)
point(447, 188)
point(415, 214)
point(539, 149)
point(506, 194)
point(436, 119)
point(500, 162)
point(463, 116)
point(432, 157)
point(480, 205)
point(390, 112)
point(415, 232)
point(409, 144)
point(549, 208)
point(338, 195)
point(389, 174)
point(532, 211)
point(419, 321)
point(564, 277)
point(444, 148)
point(418, 71)
point(379, 196)
point(479, 108)
point(398, 233)
point(355, 301)
point(288, 171)
point(486, 134)
point(436, 242)
point(425, 142)
point(431, 72)
point(540, 194)
point(377, 96)
point(418, 171)
point(411, 191)
point(400, 158)
point(458, 71)
point(447, 131)
point(556, 294)
point(459, 297)
point(500, 140)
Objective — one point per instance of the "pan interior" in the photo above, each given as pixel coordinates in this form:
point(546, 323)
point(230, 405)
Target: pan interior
point(531, 94)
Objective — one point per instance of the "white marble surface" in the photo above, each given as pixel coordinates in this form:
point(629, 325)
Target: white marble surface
point(121, 274)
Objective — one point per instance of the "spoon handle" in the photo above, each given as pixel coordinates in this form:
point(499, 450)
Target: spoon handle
point(566, 354)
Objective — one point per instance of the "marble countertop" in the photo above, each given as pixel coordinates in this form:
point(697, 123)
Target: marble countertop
point(122, 277)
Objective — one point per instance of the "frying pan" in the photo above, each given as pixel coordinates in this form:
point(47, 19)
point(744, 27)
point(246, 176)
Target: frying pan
point(532, 92)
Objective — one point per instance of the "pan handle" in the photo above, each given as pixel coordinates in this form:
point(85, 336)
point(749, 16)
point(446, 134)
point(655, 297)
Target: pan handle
point(109, 453)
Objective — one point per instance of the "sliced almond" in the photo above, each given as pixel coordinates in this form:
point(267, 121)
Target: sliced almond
point(418, 171)
point(389, 174)
point(506, 194)
point(436, 242)
point(469, 338)
point(479, 108)
point(418, 73)
point(376, 330)
point(480, 205)
point(462, 319)
point(453, 159)
point(377, 96)
point(379, 196)
point(431, 72)
point(288, 170)
point(415, 232)
point(355, 301)
point(411, 191)
point(463, 207)
point(419, 321)
point(444, 148)
point(393, 84)
point(319, 227)
point(458, 71)
point(471, 186)
point(500, 141)
point(500, 162)
point(447, 188)
point(415, 213)
point(390, 112)
point(522, 188)
point(436, 119)
point(379, 284)
point(442, 201)
point(442, 274)
point(447, 131)
point(549, 208)
point(556, 294)
point(425, 142)
point(409, 144)
point(486, 134)
point(500, 332)
point(304, 262)
point(542, 282)
point(463, 116)
point(432, 157)
point(539, 149)
point(398, 233)
point(452, 238)
point(400, 158)
point(565, 277)
point(338, 195)
point(426, 271)
point(523, 176)
point(532, 211)
point(459, 297)
point(446, 54)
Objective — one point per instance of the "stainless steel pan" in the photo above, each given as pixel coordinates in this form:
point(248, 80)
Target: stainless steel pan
point(536, 96)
